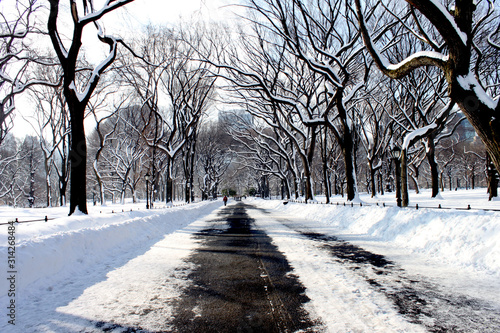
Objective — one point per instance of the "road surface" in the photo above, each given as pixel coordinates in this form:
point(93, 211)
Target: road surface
point(241, 283)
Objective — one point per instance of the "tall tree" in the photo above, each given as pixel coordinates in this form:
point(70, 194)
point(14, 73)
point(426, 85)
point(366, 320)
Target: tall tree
point(51, 124)
point(78, 94)
point(448, 37)
point(213, 160)
point(375, 129)
point(309, 31)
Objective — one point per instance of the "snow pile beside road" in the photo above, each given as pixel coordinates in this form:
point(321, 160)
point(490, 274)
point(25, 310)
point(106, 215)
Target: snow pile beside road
point(63, 247)
point(469, 239)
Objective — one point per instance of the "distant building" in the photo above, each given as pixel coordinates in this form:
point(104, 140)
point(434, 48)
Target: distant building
point(237, 117)
point(465, 131)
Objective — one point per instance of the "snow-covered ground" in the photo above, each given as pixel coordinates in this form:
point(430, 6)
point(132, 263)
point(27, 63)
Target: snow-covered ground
point(469, 239)
point(126, 268)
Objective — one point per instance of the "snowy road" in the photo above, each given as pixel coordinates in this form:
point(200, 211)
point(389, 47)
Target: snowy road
point(246, 269)
point(241, 282)
point(414, 298)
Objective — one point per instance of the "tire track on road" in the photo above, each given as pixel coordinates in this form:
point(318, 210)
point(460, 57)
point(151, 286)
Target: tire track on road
point(241, 282)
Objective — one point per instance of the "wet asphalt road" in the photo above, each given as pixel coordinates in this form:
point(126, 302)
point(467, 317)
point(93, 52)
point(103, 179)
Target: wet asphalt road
point(240, 283)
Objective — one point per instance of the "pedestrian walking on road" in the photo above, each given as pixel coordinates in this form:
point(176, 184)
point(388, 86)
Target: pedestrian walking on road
point(225, 200)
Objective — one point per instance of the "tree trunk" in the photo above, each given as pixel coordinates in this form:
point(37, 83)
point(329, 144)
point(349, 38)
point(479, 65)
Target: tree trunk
point(169, 189)
point(169, 183)
point(350, 170)
point(214, 191)
point(134, 194)
point(63, 176)
point(122, 195)
point(31, 195)
point(187, 192)
point(193, 162)
point(78, 157)
point(473, 178)
point(324, 157)
point(492, 176)
point(372, 178)
point(404, 179)
point(48, 184)
point(326, 179)
point(307, 184)
point(397, 167)
point(295, 187)
point(286, 188)
point(346, 143)
point(62, 193)
point(100, 184)
point(381, 183)
point(335, 185)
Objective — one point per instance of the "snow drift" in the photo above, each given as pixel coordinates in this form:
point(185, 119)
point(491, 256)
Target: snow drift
point(470, 239)
point(63, 247)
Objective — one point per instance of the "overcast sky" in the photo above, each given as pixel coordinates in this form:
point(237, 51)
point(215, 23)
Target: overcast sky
point(139, 13)
point(158, 11)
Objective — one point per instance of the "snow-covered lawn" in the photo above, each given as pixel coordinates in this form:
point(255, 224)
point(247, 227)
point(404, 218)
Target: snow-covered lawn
point(126, 267)
point(58, 260)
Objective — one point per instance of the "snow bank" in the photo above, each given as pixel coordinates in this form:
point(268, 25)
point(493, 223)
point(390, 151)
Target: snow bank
point(470, 239)
point(65, 246)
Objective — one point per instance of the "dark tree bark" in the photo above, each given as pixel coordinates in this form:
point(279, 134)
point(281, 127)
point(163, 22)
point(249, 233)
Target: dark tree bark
point(77, 102)
point(492, 176)
point(405, 198)
point(346, 143)
point(78, 160)
point(431, 158)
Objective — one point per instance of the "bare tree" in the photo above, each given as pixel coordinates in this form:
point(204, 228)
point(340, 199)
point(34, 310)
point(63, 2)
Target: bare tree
point(423, 114)
point(213, 160)
point(448, 41)
point(187, 88)
point(17, 60)
point(104, 129)
point(10, 165)
point(375, 129)
point(277, 88)
point(265, 150)
point(309, 33)
point(20, 173)
point(51, 124)
point(77, 94)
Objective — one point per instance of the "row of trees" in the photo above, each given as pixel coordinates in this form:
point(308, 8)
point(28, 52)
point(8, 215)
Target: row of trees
point(308, 74)
point(118, 168)
point(317, 78)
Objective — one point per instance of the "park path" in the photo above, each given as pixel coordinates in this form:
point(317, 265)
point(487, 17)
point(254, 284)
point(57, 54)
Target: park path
point(241, 282)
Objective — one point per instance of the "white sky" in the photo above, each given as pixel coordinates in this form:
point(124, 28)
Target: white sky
point(140, 13)
point(158, 11)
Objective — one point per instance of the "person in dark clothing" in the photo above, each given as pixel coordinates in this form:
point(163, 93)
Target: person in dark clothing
point(225, 200)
